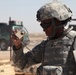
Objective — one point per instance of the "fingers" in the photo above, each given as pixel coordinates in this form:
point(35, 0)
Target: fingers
point(15, 39)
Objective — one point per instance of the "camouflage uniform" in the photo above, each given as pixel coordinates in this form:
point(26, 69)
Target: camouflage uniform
point(49, 52)
point(54, 9)
point(56, 55)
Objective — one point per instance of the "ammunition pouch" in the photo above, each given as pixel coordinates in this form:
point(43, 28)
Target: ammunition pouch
point(49, 70)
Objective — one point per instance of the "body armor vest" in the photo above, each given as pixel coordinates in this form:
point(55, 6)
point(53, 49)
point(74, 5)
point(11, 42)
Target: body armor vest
point(55, 56)
point(56, 51)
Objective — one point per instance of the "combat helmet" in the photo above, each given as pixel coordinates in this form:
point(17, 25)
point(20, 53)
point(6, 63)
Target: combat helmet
point(54, 10)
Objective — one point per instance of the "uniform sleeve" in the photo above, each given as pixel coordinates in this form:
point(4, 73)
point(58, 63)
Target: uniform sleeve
point(24, 60)
point(74, 49)
point(74, 54)
point(71, 60)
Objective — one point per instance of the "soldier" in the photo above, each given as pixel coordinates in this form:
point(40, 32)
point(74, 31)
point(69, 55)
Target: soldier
point(56, 53)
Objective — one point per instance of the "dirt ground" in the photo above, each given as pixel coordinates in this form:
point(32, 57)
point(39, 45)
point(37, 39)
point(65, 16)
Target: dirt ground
point(5, 64)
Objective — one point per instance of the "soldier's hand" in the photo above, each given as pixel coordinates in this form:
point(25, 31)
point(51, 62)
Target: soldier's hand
point(16, 41)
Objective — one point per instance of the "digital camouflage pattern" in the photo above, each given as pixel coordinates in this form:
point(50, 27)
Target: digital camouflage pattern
point(54, 10)
point(55, 54)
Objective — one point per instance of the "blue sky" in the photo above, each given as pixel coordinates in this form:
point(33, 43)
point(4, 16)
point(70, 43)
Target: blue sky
point(25, 10)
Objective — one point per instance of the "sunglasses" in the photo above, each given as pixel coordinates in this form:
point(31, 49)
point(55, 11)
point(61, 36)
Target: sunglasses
point(46, 25)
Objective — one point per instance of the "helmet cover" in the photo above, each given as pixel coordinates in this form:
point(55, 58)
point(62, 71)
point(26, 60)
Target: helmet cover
point(54, 10)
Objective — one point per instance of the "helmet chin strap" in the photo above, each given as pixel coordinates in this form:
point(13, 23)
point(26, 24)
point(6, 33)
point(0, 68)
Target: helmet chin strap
point(66, 29)
point(52, 35)
point(54, 29)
